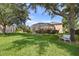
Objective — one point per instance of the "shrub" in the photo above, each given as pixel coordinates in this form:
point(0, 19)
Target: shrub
point(23, 28)
point(40, 31)
point(47, 31)
point(77, 31)
point(54, 31)
point(77, 37)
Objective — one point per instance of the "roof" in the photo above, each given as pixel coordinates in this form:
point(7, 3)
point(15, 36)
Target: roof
point(46, 24)
point(57, 23)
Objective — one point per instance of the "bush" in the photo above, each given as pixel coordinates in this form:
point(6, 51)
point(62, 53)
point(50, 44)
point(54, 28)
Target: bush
point(54, 31)
point(40, 31)
point(77, 37)
point(23, 28)
point(47, 31)
point(28, 31)
point(77, 32)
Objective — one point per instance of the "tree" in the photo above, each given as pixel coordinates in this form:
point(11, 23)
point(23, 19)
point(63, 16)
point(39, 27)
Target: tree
point(5, 15)
point(68, 11)
point(24, 28)
point(21, 13)
point(12, 14)
point(76, 24)
point(65, 25)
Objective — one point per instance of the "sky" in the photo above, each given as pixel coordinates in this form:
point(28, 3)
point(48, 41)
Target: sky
point(41, 17)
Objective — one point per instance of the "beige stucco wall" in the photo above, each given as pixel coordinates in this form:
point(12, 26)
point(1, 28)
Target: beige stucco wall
point(59, 28)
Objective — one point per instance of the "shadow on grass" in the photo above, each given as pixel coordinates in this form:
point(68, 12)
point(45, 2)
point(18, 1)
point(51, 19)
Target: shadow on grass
point(15, 34)
point(42, 42)
point(19, 44)
point(72, 49)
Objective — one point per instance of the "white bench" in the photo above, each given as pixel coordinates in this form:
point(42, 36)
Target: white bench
point(66, 38)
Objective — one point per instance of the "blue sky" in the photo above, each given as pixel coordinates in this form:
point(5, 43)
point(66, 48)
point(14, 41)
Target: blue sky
point(40, 17)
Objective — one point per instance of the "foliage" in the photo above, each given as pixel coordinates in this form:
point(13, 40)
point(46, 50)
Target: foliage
point(21, 13)
point(49, 31)
point(77, 38)
point(54, 32)
point(77, 31)
point(24, 28)
point(12, 14)
point(65, 25)
point(76, 24)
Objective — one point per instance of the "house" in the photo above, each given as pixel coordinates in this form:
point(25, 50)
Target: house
point(9, 29)
point(47, 26)
point(59, 27)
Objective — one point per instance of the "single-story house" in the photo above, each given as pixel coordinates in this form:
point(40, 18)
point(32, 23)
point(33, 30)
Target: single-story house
point(44, 26)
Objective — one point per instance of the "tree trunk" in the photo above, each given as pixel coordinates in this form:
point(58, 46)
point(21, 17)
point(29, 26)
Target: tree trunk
point(71, 18)
point(4, 29)
point(72, 34)
point(71, 28)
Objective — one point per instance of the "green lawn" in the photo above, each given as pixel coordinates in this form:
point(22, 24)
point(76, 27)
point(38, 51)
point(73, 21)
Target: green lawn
point(21, 44)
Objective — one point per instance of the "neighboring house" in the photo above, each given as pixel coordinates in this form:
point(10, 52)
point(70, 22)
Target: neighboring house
point(44, 26)
point(9, 29)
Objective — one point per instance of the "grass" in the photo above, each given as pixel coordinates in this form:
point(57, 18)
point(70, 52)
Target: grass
point(21, 44)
